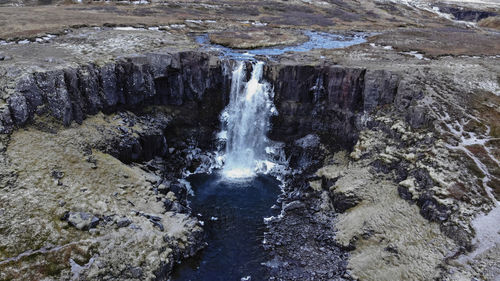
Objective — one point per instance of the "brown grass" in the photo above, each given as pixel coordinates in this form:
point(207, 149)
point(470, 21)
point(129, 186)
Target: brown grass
point(490, 22)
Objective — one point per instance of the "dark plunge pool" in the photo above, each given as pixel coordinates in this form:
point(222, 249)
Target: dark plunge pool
point(232, 212)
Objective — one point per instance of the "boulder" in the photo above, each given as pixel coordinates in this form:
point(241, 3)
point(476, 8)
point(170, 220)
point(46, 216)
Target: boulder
point(81, 220)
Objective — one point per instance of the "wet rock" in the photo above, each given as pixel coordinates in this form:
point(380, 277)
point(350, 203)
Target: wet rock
point(180, 191)
point(309, 141)
point(302, 246)
point(294, 205)
point(178, 207)
point(164, 188)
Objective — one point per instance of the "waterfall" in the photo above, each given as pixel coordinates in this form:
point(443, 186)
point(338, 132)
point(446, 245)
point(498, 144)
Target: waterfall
point(245, 122)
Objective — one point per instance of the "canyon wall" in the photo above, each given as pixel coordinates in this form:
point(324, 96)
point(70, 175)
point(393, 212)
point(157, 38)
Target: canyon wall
point(127, 84)
point(326, 100)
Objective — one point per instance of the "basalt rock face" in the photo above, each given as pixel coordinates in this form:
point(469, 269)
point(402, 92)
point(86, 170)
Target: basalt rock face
point(327, 100)
point(324, 100)
point(193, 83)
point(130, 83)
point(466, 14)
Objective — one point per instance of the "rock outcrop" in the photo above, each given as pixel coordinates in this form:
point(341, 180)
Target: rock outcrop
point(130, 83)
point(327, 100)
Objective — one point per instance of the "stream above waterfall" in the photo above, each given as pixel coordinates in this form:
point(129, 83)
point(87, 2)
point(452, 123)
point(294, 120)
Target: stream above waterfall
point(317, 40)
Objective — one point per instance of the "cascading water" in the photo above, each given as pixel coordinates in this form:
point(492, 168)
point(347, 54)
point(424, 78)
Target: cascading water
point(232, 211)
point(245, 122)
point(232, 204)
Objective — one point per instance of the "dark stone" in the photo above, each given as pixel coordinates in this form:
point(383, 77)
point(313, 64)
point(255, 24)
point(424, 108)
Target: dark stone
point(111, 93)
point(294, 205)
point(81, 220)
point(89, 88)
point(18, 108)
point(380, 88)
point(431, 209)
point(321, 100)
point(408, 91)
point(178, 208)
point(53, 85)
point(423, 179)
point(57, 174)
point(405, 193)
point(72, 94)
point(35, 98)
point(153, 145)
point(6, 122)
point(77, 102)
point(344, 201)
point(136, 272)
point(158, 224)
point(392, 249)
point(179, 190)
point(123, 222)
point(418, 117)
point(464, 14)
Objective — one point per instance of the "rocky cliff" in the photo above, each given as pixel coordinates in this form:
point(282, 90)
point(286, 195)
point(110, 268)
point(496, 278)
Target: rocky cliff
point(327, 100)
point(168, 105)
point(128, 83)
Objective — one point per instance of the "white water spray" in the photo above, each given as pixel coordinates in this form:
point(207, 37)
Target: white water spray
point(245, 122)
